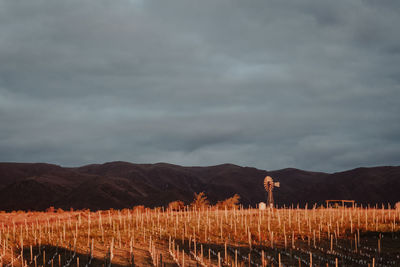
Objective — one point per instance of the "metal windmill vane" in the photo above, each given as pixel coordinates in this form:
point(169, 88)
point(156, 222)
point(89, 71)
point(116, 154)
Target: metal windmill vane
point(269, 185)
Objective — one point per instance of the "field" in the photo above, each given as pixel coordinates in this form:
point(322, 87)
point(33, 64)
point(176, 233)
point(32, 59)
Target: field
point(202, 237)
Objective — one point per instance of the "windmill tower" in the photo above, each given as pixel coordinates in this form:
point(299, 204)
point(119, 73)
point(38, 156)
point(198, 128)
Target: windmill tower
point(269, 185)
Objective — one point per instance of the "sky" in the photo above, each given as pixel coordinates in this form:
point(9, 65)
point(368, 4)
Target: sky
point(271, 84)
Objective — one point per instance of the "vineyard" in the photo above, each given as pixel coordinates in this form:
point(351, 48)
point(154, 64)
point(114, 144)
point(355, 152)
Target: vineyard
point(202, 237)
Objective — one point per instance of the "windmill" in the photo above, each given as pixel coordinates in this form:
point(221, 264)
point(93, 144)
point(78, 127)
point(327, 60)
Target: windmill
point(269, 185)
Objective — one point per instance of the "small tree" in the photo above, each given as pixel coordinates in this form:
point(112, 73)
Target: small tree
point(200, 201)
point(229, 203)
point(50, 209)
point(176, 205)
point(60, 210)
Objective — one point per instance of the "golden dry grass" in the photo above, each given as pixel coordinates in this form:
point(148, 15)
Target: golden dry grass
point(286, 237)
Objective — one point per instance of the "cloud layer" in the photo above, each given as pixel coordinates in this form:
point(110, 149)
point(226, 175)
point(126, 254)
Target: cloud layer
point(272, 84)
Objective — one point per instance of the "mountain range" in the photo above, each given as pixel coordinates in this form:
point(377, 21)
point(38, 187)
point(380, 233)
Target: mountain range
point(37, 186)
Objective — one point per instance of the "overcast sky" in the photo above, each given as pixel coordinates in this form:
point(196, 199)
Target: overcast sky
point(270, 84)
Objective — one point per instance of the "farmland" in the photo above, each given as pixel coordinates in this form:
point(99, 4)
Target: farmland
point(207, 237)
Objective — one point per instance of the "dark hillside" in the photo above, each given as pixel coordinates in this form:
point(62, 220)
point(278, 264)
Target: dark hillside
point(37, 186)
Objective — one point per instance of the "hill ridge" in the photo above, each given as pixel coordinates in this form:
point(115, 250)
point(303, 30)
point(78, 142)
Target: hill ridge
point(121, 184)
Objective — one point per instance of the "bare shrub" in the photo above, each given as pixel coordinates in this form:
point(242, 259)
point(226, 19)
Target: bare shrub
point(200, 201)
point(176, 205)
point(50, 209)
point(229, 203)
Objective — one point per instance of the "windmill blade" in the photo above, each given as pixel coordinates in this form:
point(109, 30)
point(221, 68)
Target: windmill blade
point(267, 181)
point(277, 184)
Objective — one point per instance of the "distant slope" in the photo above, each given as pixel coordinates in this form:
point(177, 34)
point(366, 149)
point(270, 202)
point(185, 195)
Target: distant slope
point(36, 186)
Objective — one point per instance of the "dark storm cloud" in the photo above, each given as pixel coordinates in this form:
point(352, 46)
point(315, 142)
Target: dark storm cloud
point(271, 84)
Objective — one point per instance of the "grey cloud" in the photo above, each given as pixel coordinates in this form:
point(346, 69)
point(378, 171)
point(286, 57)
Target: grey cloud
point(271, 84)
